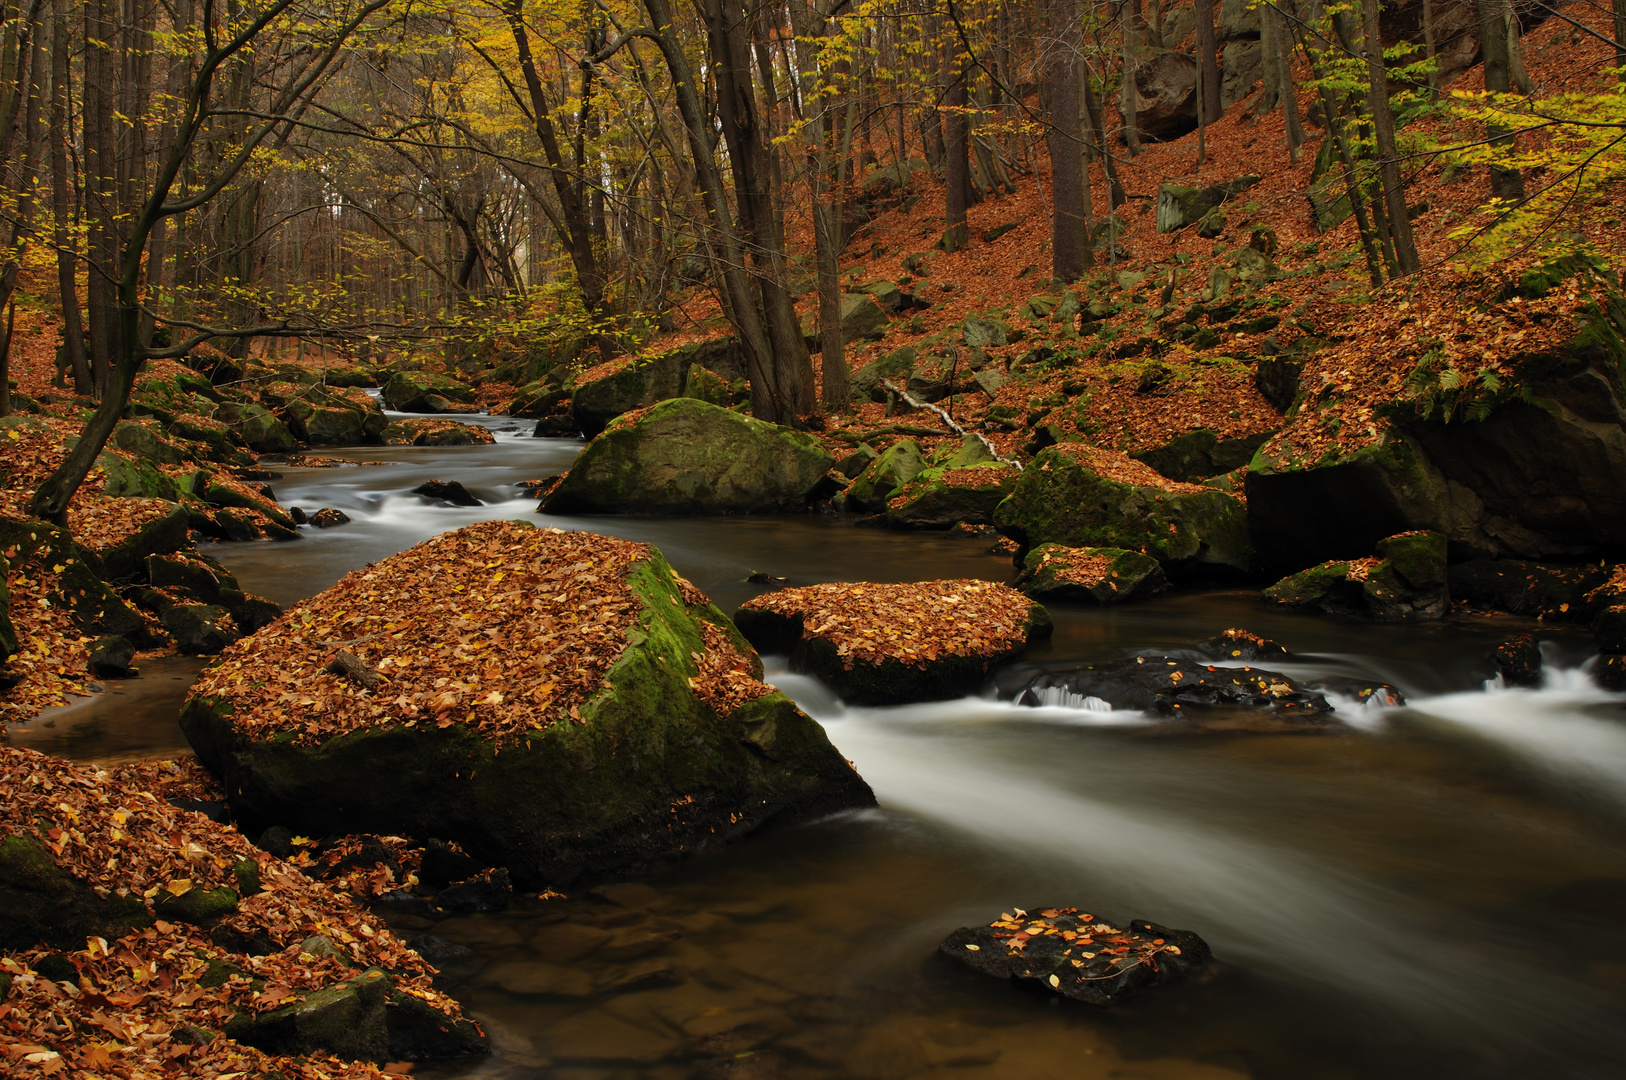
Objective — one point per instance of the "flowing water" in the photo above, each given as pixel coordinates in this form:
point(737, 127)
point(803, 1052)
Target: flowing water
point(1431, 891)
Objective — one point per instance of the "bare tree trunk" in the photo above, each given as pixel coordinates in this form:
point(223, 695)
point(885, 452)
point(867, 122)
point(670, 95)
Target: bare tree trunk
point(1092, 103)
point(73, 336)
point(1620, 37)
point(1130, 95)
point(1432, 50)
point(957, 171)
point(1069, 220)
point(1208, 61)
point(1499, 40)
point(100, 189)
point(1383, 129)
point(1267, 54)
point(1280, 60)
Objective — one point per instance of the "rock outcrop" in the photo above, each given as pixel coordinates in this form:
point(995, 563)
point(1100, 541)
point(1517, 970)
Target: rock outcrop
point(1089, 575)
point(1405, 580)
point(687, 457)
point(560, 704)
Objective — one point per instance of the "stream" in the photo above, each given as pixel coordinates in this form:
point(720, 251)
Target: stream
point(1431, 891)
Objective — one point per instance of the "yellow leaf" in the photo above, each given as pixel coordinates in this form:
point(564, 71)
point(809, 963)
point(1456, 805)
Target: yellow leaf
point(179, 886)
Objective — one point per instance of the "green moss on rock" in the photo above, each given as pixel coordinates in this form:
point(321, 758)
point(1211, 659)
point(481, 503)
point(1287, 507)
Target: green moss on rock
point(688, 457)
point(1078, 496)
point(1089, 575)
point(882, 477)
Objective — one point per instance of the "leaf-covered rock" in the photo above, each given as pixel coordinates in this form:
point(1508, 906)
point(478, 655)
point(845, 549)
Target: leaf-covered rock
point(561, 704)
point(1077, 955)
point(1089, 575)
point(415, 391)
point(687, 457)
point(1079, 496)
point(1406, 580)
point(894, 644)
point(882, 477)
point(940, 498)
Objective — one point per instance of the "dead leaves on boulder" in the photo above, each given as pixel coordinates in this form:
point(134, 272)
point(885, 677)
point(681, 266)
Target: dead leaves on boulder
point(913, 623)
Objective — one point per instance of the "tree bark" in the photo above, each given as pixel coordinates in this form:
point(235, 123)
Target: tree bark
point(1092, 104)
point(1069, 220)
point(1499, 41)
point(1620, 37)
point(73, 336)
point(1383, 129)
point(100, 189)
point(1281, 61)
point(1129, 94)
point(957, 151)
point(1208, 56)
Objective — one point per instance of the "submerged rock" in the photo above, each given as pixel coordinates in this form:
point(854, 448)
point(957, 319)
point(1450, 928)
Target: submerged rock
point(1168, 686)
point(1079, 496)
point(1076, 955)
point(1090, 575)
point(687, 457)
point(449, 491)
point(894, 644)
point(570, 710)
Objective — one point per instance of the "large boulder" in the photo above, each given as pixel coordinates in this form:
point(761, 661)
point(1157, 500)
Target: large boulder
point(417, 391)
point(632, 382)
point(1079, 496)
point(895, 365)
point(1179, 205)
point(1537, 479)
point(685, 456)
point(1200, 454)
point(561, 704)
point(1089, 575)
point(1166, 83)
point(894, 644)
point(324, 416)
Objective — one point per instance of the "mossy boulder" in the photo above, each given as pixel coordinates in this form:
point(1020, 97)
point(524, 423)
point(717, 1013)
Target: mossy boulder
point(707, 386)
point(895, 467)
point(127, 559)
point(258, 428)
point(608, 390)
point(39, 901)
point(1089, 575)
point(1179, 206)
point(1405, 580)
point(985, 333)
point(346, 1019)
point(685, 456)
point(1079, 496)
point(432, 431)
point(536, 400)
point(896, 365)
point(644, 769)
point(895, 644)
point(143, 441)
point(91, 604)
point(127, 477)
point(941, 497)
point(1200, 454)
point(861, 317)
point(324, 416)
point(415, 391)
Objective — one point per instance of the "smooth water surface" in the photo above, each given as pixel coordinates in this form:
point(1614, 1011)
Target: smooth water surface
point(1431, 891)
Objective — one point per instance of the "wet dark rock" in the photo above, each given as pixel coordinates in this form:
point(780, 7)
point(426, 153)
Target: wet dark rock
point(1610, 629)
point(1239, 644)
point(417, 1031)
point(1518, 659)
point(439, 951)
point(1199, 454)
point(57, 968)
point(443, 864)
point(490, 891)
point(110, 658)
point(199, 629)
point(1363, 692)
point(447, 491)
point(1073, 954)
point(298, 515)
point(347, 1020)
point(557, 427)
point(1610, 672)
point(199, 907)
point(328, 517)
point(758, 577)
point(277, 840)
point(212, 809)
point(1170, 687)
point(1545, 591)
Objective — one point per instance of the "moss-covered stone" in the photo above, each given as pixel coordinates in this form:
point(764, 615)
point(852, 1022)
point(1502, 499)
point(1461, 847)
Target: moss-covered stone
point(650, 771)
point(895, 365)
point(1081, 497)
point(94, 608)
point(1089, 575)
point(1197, 455)
point(608, 391)
point(703, 385)
point(882, 477)
point(127, 560)
point(347, 1020)
point(861, 317)
point(687, 457)
point(1407, 580)
point(141, 440)
point(41, 902)
point(412, 391)
point(199, 907)
point(942, 497)
point(124, 477)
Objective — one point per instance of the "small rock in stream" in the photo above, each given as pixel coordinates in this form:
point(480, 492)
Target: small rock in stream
point(327, 517)
point(1168, 686)
point(1074, 954)
point(299, 515)
point(110, 657)
point(1518, 660)
point(447, 491)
